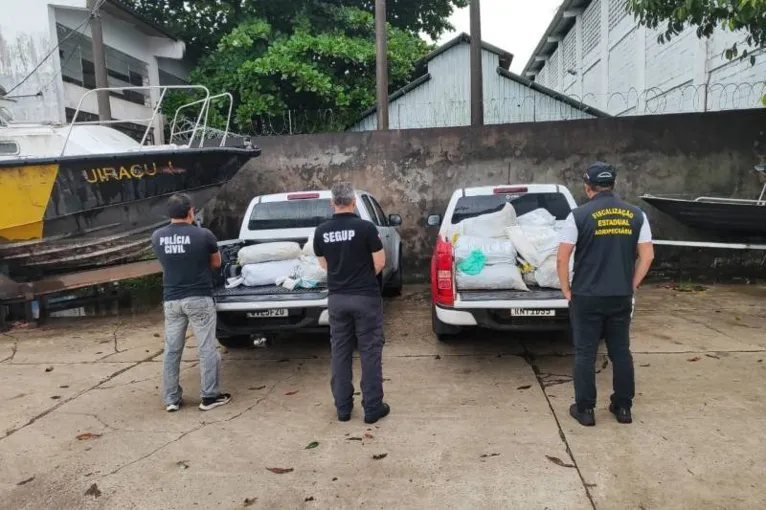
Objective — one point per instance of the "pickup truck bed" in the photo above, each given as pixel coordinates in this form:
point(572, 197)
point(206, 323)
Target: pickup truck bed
point(535, 293)
point(266, 293)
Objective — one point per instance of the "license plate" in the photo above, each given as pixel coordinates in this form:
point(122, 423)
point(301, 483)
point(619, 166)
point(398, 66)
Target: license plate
point(267, 314)
point(526, 312)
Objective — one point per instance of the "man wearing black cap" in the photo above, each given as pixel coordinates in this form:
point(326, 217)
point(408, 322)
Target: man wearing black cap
point(607, 236)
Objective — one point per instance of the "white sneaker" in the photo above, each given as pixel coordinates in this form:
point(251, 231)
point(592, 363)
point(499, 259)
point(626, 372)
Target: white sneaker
point(171, 408)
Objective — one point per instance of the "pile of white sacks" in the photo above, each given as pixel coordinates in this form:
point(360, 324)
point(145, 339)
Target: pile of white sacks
point(520, 251)
point(279, 263)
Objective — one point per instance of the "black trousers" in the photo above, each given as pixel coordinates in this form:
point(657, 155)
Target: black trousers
point(356, 322)
point(594, 318)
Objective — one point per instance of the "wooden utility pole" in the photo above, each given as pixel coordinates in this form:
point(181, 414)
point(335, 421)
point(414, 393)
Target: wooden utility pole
point(477, 81)
point(381, 63)
point(99, 62)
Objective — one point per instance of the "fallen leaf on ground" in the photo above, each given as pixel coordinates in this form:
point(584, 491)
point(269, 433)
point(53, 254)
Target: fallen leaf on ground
point(368, 436)
point(183, 464)
point(379, 456)
point(646, 365)
point(558, 461)
point(64, 386)
point(386, 380)
point(525, 387)
point(695, 358)
point(249, 501)
point(591, 485)
point(356, 393)
point(280, 471)
point(256, 388)
point(156, 335)
point(335, 479)
point(310, 498)
point(312, 444)
point(93, 491)
point(291, 392)
point(55, 397)
point(437, 357)
point(24, 482)
point(353, 439)
point(87, 436)
point(49, 369)
point(484, 456)
point(713, 356)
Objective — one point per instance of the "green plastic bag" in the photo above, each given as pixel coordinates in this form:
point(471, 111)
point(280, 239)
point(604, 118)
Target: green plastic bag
point(473, 264)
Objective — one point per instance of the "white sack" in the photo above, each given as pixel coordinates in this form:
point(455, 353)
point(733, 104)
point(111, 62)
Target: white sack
point(497, 251)
point(538, 217)
point(547, 274)
point(268, 252)
point(308, 248)
point(497, 277)
point(534, 243)
point(308, 269)
point(267, 273)
point(487, 225)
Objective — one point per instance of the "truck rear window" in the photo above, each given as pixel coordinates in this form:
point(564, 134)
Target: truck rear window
point(470, 207)
point(290, 214)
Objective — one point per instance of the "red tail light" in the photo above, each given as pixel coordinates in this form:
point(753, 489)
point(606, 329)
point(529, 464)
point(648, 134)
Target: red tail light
point(509, 189)
point(302, 196)
point(442, 290)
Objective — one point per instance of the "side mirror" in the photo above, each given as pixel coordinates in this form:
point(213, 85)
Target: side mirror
point(434, 220)
point(394, 220)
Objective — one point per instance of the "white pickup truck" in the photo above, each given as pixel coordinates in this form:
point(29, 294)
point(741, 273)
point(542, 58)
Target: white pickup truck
point(244, 312)
point(512, 310)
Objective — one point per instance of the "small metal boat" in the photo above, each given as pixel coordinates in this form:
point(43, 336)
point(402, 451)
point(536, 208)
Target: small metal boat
point(86, 195)
point(727, 218)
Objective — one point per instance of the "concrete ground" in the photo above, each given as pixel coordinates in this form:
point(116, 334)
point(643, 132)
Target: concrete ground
point(480, 422)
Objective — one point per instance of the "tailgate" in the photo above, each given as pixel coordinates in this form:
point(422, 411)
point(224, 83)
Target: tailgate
point(535, 298)
point(270, 294)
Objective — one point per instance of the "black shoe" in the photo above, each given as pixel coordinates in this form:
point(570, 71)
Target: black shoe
point(585, 417)
point(345, 416)
point(622, 414)
point(212, 402)
point(381, 412)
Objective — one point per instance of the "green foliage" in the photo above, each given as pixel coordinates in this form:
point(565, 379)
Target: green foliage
point(747, 16)
point(296, 55)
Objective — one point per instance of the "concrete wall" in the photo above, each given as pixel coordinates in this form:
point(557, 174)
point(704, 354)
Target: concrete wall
point(414, 172)
point(622, 69)
point(445, 99)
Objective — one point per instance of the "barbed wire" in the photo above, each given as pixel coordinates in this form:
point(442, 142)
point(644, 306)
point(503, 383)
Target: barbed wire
point(531, 107)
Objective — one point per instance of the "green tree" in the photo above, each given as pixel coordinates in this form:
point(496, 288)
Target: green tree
point(747, 16)
point(325, 63)
point(202, 23)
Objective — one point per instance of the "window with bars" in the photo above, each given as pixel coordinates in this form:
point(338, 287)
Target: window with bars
point(591, 33)
point(618, 9)
point(76, 54)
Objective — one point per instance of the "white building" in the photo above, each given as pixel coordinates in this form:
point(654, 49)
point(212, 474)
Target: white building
point(440, 95)
point(138, 53)
point(595, 51)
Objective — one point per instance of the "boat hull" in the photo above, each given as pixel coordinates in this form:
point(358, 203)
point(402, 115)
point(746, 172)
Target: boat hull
point(726, 220)
point(83, 212)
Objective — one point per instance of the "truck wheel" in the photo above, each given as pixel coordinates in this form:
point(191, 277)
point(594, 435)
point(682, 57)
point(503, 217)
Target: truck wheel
point(443, 332)
point(394, 287)
point(236, 342)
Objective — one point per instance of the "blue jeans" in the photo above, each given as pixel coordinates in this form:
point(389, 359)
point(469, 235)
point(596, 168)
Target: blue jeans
point(594, 318)
point(200, 313)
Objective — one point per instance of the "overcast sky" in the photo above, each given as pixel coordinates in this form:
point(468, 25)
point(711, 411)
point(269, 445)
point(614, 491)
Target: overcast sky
point(513, 25)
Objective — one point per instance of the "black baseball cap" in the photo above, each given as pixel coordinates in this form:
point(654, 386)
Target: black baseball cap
point(600, 174)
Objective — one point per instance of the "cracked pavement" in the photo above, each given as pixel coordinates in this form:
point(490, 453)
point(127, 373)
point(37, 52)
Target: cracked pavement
point(481, 421)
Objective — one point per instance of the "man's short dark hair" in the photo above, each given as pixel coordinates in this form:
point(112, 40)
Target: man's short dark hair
point(179, 206)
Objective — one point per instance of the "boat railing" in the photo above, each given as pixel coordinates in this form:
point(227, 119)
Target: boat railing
point(176, 130)
point(197, 129)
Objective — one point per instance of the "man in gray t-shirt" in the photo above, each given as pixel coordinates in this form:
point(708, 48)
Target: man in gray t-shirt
point(188, 254)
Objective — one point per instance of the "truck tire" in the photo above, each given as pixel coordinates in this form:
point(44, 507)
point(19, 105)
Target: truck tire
point(443, 332)
point(236, 342)
point(395, 284)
